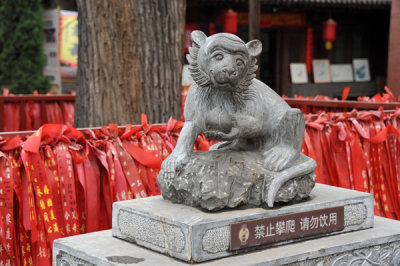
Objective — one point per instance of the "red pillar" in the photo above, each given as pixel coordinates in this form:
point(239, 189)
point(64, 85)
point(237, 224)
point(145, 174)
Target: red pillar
point(254, 26)
point(393, 75)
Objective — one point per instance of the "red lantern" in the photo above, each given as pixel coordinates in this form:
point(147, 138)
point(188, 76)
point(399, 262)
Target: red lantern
point(329, 33)
point(230, 22)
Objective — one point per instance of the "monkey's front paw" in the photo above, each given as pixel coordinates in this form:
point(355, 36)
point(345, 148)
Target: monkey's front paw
point(214, 135)
point(218, 135)
point(171, 165)
point(278, 158)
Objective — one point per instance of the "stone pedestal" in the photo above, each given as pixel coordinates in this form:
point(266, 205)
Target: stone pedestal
point(379, 245)
point(152, 231)
point(193, 235)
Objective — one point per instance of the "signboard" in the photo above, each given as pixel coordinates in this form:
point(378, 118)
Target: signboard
point(286, 227)
point(69, 38)
point(270, 20)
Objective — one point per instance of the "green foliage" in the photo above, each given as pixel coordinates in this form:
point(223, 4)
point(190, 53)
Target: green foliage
point(21, 47)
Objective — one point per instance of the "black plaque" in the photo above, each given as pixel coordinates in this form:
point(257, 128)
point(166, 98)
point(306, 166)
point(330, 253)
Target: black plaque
point(285, 227)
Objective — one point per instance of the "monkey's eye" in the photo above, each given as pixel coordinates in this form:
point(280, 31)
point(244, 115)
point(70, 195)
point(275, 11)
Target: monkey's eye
point(239, 62)
point(219, 57)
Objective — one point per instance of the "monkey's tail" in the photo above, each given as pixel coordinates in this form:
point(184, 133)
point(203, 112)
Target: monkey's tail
point(297, 170)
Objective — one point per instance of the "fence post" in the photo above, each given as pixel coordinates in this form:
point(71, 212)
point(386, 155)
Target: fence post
point(22, 115)
point(43, 116)
point(2, 114)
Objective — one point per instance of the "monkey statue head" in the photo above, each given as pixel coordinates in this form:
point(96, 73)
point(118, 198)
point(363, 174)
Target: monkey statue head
point(223, 61)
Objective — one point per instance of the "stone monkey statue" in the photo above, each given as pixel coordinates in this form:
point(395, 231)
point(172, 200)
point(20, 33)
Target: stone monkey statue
point(228, 104)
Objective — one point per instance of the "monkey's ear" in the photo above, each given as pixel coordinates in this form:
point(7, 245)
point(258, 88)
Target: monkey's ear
point(254, 47)
point(198, 37)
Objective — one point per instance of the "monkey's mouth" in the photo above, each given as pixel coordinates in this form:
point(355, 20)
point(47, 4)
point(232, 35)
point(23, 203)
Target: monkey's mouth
point(224, 81)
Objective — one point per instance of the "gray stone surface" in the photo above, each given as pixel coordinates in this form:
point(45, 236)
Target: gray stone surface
point(258, 160)
point(65, 259)
point(218, 179)
point(375, 246)
point(190, 234)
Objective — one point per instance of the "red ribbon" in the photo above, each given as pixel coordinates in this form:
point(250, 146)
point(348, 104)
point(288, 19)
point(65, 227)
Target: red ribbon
point(35, 169)
point(116, 174)
point(142, 156)
point(131, 173)
point(67, 187)
point(7, 222)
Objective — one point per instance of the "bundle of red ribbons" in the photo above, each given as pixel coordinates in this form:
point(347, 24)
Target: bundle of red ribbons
point(27, 115)
point(358, 150)
point(55, 113)
point(62, 181)
point(386, 97)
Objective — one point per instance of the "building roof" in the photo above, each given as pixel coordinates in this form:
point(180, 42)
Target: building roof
point(302, 3)
point(330, 2)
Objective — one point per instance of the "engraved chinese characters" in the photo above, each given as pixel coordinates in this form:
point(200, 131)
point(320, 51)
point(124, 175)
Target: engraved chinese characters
point(286, 227)
point(307, 223)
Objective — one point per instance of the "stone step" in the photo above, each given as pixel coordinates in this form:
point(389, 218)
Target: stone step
point(375, 246)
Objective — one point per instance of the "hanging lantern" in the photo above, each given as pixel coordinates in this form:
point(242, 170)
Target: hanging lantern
point(230, 22)
point(329, 33)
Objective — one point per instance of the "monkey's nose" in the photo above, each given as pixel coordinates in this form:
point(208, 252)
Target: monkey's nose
point(230, 71)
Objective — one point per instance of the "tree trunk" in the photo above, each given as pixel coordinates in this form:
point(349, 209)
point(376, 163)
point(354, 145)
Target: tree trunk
point(130, 61)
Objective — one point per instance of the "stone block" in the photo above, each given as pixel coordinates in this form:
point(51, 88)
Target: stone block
point(379, 245)
point(193, 235)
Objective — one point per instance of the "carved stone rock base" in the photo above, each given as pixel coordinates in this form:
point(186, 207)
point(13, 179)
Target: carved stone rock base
point(218, 179)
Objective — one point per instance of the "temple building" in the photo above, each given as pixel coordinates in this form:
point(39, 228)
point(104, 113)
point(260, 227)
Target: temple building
point(310, 47)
